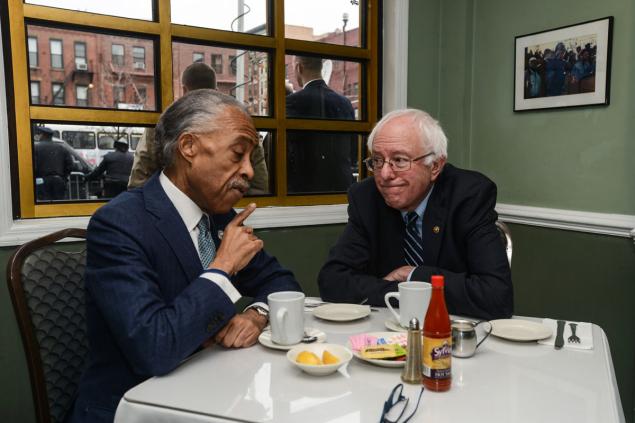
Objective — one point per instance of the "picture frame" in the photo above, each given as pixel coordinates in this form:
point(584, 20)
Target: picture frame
point(564, 67)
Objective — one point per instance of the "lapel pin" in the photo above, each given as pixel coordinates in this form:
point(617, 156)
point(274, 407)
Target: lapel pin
point(436, 229)
point(220, 235)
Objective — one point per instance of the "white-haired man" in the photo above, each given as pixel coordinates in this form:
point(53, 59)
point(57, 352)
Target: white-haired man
point(418, 217)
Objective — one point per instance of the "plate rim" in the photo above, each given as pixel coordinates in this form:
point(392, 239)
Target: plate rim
point(536, 325)
point(380, 363)
point(274, 346)
point(363, 309)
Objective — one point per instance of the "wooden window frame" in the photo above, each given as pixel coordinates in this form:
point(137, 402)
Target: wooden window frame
point(166, 32)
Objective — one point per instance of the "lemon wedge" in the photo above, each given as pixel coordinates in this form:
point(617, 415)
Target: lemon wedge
point(307, 357)
point(328, 358)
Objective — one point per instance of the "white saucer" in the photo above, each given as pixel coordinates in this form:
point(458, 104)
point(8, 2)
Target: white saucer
point(341, 312)
point(520, 330)
point(394, 326)
point(265, 338)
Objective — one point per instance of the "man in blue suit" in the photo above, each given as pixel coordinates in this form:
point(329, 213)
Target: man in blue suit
point(318, 161)
point(166, 262)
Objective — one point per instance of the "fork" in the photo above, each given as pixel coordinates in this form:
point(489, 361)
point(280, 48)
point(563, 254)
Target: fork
point(573, 339)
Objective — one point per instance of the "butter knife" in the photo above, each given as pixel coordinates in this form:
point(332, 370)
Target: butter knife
point(559, 335)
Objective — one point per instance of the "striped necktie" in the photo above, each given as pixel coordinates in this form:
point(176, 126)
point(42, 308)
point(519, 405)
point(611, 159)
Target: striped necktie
point(206, 247)
point(413, 248)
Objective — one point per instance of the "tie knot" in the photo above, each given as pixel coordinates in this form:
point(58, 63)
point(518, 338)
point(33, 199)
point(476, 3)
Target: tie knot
point(203, 225)
point(411, 218)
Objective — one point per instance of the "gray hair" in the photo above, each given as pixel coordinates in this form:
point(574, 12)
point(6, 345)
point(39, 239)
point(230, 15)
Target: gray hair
point(429, 131)
point(196, 111)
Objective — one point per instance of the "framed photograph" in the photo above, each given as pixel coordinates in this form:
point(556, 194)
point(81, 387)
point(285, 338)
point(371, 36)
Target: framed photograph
point(564, 67)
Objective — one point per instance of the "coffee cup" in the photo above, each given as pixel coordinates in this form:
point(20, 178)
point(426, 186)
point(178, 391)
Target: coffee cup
point(413, 298)
point(464, 340)
point(286, 316)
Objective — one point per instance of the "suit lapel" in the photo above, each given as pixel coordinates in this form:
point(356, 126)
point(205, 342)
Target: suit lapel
point(170, 224)
point(433, 228)
point(394, 231)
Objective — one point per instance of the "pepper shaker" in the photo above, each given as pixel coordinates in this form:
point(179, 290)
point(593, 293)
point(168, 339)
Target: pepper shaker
point(412, 370)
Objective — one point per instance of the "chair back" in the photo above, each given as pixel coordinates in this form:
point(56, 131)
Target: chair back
point(46, 284)
point(506, 239)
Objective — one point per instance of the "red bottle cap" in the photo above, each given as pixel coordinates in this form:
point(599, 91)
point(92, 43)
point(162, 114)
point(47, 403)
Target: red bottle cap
point(437, 281)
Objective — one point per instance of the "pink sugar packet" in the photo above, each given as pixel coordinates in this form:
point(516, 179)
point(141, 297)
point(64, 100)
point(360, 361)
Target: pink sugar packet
point(362, 340)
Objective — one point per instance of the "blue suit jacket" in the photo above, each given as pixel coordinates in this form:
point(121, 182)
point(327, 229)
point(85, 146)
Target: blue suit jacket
point(147, 309)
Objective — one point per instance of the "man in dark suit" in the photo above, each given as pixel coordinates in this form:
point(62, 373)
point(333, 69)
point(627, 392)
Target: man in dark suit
point(166, 262)
point(416, 218)
point(317, 162)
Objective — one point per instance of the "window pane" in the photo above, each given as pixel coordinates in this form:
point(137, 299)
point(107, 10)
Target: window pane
point(57, 90)
point(249, 83)
point(35, 93)
point(333, 91)
point(81, 95)
point(33, 59)
point(198, 57)
point(324, 21)
point(262, 161)
point(117, 54)
point(321, 162)
point(228, 15)
point(64, 166)
point(98, 64)
point(138, 9)
point(57, 59)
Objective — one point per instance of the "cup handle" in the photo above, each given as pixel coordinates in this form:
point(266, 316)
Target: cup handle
point(491, 328)
point(387, 297)
point(281, 316)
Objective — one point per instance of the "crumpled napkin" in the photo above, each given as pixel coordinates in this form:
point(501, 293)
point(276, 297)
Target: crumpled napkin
point(584, 332)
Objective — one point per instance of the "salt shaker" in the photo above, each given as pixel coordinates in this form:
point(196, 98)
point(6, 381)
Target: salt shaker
point(412, 370)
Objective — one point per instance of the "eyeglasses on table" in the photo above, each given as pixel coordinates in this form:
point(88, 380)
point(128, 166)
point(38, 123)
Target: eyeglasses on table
point(397, 401)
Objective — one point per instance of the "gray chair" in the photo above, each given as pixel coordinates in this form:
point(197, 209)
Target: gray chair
point(46, 283)
point(506, 239)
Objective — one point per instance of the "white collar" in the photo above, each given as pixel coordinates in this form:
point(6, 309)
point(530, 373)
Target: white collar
point(316, 79)
point(189, 211)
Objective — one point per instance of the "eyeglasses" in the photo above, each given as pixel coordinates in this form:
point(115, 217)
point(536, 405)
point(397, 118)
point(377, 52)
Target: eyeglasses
point(397, 399)
point(397, 164)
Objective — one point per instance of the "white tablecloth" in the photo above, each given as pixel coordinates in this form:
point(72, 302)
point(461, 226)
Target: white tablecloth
point(504, 382)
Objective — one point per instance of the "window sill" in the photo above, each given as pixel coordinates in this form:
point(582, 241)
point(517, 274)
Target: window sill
point(20, 231)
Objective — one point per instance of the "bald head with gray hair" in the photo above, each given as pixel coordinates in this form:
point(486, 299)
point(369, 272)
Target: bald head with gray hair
point(197, 111)
point(429, 132)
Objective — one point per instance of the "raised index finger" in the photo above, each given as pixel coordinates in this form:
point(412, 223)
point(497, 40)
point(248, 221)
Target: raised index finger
point(243, 215)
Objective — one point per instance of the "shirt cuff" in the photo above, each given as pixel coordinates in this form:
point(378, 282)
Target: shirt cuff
point(263, 305)
point(410, 274)
point(221, 279)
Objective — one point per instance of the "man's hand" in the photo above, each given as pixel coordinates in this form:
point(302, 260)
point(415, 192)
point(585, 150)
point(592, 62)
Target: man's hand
point(400, 274)
point(239, 244)
point(242, 330)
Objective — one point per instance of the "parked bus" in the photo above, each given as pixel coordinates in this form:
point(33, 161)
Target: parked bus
point(92, 143)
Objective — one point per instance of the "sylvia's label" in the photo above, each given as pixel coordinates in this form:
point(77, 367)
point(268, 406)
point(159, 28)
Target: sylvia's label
point(437, 356)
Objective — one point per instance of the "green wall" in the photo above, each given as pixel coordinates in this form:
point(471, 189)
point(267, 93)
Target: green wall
point(460, 69)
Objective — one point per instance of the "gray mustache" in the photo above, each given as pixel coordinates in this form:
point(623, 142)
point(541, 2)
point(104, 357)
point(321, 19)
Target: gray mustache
point(241, 184)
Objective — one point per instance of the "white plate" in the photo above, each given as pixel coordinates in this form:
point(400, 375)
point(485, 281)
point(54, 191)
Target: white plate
point(519, 330)
point(381, 363)
point(394, 326)
point(265, 339)
point(341, 312)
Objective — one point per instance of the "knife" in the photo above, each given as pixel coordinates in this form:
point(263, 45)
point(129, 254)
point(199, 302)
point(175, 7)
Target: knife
point(559, 335)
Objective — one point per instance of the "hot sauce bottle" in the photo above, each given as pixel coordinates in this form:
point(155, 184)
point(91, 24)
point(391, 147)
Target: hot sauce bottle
point(437, 341)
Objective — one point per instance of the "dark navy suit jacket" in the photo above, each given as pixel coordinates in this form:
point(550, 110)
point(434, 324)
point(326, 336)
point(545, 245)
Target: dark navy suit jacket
point(460, 241)
point(319, 162)
point(147, 306)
